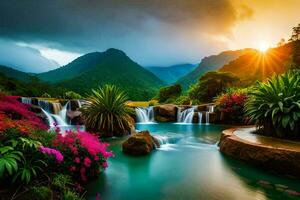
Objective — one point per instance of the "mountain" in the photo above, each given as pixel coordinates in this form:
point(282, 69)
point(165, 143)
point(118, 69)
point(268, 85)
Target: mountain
point(172, 73)
point(255, 65)
point(110, 67)
point(15, 74)
point(73, 69)
point(210, 63)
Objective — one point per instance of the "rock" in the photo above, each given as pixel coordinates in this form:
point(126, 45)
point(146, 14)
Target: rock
point(202, 108)
point(74, 105)
point(34, 101)
point(213, 117)
point(265, 184)
point(155, 142)
point(75, 117)
point(293, 193)
point(281, 160)
point(138, 144)
point(165, 113)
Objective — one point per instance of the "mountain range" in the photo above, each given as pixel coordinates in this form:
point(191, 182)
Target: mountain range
point(115, 67)
point(172, 73)
point(255, 65)
point(210, 63)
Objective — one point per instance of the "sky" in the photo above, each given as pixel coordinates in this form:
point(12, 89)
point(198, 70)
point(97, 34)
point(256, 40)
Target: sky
point(37, 36)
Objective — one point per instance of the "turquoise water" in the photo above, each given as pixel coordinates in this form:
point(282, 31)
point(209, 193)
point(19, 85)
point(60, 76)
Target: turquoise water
point(191, 167)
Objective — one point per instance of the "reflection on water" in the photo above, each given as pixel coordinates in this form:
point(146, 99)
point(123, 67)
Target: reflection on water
point(191, 167)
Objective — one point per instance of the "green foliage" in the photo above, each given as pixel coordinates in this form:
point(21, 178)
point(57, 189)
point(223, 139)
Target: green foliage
point(210, 85)
point(71, 195)
point(41, 193)
point(106, 111)
point(182, 100)
point(169, 92)
point(60, 181)
point(9, 160)
point(274, 106)
point(46, 95)
point(72, 95)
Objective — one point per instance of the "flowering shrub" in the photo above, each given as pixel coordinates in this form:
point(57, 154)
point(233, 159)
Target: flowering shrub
point(18, 113)
point(83, 153)
point(232, 103)
point(29, 153)
point(52, 152)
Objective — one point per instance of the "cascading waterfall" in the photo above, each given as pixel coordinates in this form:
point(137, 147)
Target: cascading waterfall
point(167, 142)
point(49, 117)
point(63, 112)
point(210, 109)
point(200, 117)
point(145, 114)
point(186, 116)
point(26, 100)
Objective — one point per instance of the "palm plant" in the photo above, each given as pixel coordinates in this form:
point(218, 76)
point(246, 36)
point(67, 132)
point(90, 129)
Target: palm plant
point(106, 111)
point(274, 106)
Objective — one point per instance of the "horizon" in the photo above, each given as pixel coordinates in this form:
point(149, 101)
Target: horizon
point(53, 33)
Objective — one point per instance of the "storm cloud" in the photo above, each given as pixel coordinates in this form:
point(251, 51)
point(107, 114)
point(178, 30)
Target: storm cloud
point(24, 58)
point(152, 32)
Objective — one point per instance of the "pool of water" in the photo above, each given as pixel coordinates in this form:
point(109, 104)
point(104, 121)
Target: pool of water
point(190, 167)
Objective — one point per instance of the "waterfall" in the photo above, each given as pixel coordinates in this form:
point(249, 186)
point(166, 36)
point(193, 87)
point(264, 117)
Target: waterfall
point(210, 109)
point(56, 108)
point(63, 112)
point(200, 117)
point(49, 117)
point(145, 114)
point(46, 105)
point(59, 120)
point(207, 117)
point(26, 100)
point(167, 142)
point(187, 115)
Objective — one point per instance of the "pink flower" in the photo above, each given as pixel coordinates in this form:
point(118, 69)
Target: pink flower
point(77, 160)
point(72, 168)
point(87, 161)
point(53, 152)
point(104, 165)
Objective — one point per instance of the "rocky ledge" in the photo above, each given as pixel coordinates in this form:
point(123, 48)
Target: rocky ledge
point(283, 159)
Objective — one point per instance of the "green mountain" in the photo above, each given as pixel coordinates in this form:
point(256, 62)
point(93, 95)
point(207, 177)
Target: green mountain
point(255, 65)
point(110, 67)
point(210, 63)
point(15, 74)
point(172, 73)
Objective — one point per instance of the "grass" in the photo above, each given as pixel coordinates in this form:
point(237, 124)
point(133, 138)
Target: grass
point(141, 103)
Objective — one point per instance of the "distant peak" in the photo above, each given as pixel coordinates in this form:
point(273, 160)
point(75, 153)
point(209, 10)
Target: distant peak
point(114, 51)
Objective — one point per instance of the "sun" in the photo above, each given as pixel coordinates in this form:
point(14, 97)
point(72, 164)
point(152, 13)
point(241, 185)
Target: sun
point(263, 47)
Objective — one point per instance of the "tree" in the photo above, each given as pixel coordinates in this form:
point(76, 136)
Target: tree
point(295, 33)
point(211, 84)
point(281, 42)
point(169, 92)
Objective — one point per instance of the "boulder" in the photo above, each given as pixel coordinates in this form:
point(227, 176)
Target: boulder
point(75, 117)
point(138, 144)
point(165, 113)
point(284, 161)
point(74, 105)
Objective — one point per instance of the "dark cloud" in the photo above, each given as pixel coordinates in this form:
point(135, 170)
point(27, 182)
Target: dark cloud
point(151, 31)
point(24, 58)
